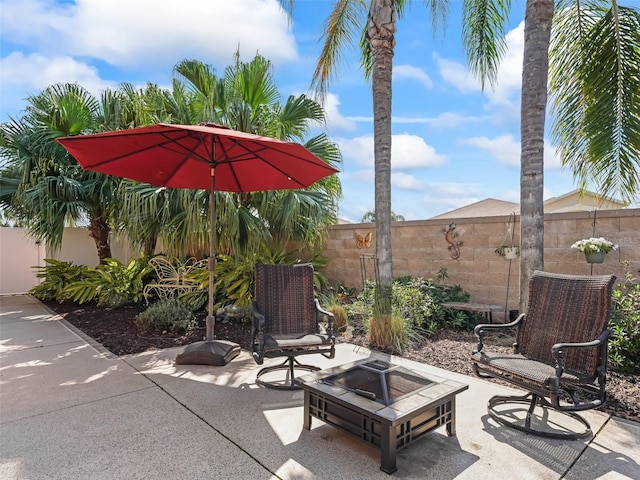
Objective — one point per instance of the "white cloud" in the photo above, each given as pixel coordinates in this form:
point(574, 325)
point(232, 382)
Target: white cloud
point(445, 120)
point(365, 175)
point(335, 120)
point(443, 197)
point(24, 75)
point(509, 195)
point(126, 33)
point(407, 151)
point(510, 71)
point(506, 150)
point(412, 73)
point(411, 151)
point(456, 74)
point(509, 76)
point(405, 181)
point(37, 72)
point(551, 158)
point(454, 119)
point(358, 150)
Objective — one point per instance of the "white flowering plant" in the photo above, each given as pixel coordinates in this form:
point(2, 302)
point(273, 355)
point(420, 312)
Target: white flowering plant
point(593, 245)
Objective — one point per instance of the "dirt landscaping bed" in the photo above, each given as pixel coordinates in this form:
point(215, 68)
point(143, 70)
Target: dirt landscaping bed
point(117, 331)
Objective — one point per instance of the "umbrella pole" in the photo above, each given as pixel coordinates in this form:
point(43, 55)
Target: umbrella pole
point(210, 351)
point(211, 264)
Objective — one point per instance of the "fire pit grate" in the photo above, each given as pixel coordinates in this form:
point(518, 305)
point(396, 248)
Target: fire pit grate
point(379, 381)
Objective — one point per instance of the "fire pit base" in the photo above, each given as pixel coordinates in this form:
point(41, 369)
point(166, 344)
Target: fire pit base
point(386, 427)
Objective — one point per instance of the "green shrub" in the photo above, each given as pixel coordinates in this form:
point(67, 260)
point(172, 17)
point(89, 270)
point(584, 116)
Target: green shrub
point(361, 309)
point(390, 333)
point(168, 314)
point(436, 294)
point(340, 319)
point(344, 294)
point(111, 284)
point(233, 279)
point(410, 302)
point(56, 276)
point(233, 312)
point(624, 346)
point(244, 314)
point(416, 300)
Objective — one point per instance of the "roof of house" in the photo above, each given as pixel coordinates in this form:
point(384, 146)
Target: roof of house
point(569, 202)
point(489, 207)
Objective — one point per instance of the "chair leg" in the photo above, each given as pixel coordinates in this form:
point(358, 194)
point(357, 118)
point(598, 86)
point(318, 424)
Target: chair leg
point(291, 364)
point(534, 401)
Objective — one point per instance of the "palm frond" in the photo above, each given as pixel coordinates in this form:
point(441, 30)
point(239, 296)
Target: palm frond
point(595, 96)
point(438, 9)
point(346, 20)
point(483, 32)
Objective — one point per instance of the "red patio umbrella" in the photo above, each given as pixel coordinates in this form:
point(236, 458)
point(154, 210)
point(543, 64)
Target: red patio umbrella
point(207, 157)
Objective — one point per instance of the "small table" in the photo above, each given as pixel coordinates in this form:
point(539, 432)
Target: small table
point(485, 308)
point(386, 427)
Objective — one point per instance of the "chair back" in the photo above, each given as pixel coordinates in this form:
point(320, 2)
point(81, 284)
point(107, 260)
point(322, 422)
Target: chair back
point(284, 294)
point(566, 308)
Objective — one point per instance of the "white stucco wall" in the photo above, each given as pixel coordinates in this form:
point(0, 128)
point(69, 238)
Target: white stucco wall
point(18, 255)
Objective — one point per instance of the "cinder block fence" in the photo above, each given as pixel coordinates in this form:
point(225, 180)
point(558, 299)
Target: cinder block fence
point(420, 249)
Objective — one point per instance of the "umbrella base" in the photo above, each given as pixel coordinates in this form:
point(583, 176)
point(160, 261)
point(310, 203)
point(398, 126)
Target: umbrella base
point(216, 352)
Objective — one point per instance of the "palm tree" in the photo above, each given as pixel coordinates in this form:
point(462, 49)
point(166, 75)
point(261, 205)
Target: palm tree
point(594, 89)
point(245, 98)
point(51, 189)
point(537, 34)
point(370, 217)
point(375, 26)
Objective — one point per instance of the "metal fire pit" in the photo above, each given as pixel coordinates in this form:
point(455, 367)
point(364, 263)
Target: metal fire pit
point(385, 405)
point(380, 381)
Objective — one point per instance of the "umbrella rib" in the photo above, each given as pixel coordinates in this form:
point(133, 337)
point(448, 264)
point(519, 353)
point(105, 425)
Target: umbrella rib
point(256, 153)
point(289, 154)
point(185, 152)
point(169, 141)
point(226, 155)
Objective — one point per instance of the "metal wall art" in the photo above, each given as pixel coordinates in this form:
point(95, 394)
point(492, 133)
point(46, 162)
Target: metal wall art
point(450, 236)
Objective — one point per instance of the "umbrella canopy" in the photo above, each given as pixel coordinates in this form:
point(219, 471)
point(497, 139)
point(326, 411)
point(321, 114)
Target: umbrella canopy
point(206, 157)
point(183, 156)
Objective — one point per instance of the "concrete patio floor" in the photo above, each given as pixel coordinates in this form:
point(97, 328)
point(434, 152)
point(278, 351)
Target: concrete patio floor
point(70, 410)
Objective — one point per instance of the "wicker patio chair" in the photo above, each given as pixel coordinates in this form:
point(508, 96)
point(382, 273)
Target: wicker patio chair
point(288, 321)
point(560, 353)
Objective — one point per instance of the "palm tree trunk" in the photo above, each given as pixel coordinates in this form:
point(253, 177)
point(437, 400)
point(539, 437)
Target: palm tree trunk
point(381, 29)
point(150, 245)
point(537, 36)
point(99, 230)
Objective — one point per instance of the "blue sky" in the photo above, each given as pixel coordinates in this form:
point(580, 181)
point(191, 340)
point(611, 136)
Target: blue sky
point(452, 143)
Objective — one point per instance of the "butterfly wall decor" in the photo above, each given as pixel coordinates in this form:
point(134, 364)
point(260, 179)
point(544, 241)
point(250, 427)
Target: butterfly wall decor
point(363, 242)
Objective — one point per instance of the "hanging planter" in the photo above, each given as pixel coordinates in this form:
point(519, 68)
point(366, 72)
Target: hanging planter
point(508, 252)
point(594, 249)
point(594, 257)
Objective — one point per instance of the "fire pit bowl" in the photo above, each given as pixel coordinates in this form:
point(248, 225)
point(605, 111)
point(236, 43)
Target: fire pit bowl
point(380, 381)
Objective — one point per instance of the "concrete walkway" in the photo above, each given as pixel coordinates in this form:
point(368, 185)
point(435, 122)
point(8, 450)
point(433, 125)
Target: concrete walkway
point(69, 410)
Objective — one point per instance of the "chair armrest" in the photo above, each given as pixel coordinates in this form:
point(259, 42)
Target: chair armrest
point(258, 319)
point(558, 350)
point(330, 317)
point(481, 329)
